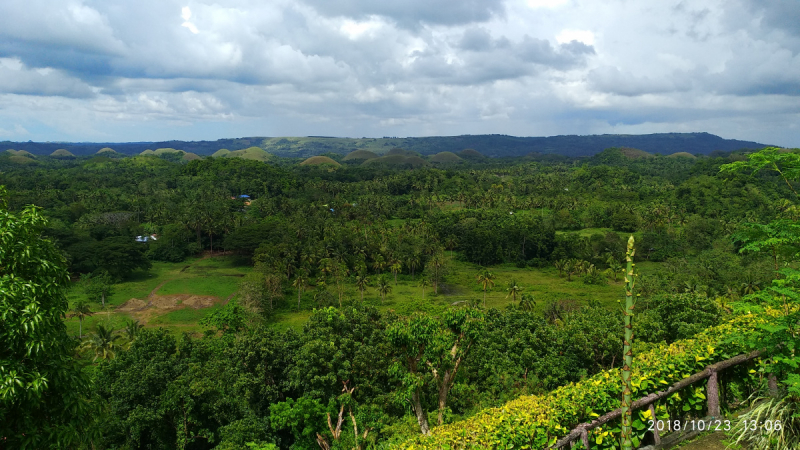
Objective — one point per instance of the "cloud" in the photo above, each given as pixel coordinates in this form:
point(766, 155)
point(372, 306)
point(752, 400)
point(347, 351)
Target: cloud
point(17, 132)
point(78, 68)
point(412, 13)
point(15, 78)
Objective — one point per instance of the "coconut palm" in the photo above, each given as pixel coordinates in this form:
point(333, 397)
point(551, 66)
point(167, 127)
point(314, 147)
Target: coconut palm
point(300, 282)
point(396, 267)
point(81, 310)
point(527, 302)
point(514, 290)
point(362, 282)
point(131, 330)
point(423, 282)
point(560, 265)
point(384, 288)
point(486, 280)
point(750, 286)
point(102, 342)
point(451, 242)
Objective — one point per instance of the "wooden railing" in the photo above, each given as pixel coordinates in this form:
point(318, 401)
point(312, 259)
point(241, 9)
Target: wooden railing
point(581, 432)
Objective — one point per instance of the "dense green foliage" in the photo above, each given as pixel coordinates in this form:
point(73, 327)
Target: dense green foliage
point(316, 239)
point(43, 393)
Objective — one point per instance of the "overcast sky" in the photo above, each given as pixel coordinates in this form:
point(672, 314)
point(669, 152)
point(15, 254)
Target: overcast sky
point(145, 70)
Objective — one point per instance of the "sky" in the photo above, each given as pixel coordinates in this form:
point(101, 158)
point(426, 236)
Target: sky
point(151, 70)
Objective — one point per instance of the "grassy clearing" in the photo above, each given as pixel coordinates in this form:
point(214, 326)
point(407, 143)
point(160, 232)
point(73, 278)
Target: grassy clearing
point(219, 277)
point(216, 276)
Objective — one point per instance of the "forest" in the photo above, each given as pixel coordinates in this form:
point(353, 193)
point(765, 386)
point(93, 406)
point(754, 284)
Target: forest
point(160, 302)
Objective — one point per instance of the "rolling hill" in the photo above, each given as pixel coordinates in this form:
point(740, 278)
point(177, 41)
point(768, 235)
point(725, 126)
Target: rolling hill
point(491, 145)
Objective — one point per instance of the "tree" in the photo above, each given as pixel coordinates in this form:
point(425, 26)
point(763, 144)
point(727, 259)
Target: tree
point(132, 329)
point(81, 310)
point(430, 351)
point(486, 280)
point(423, 282)
point(437, 267)
point(396, 267)
point(98, 286)
point(514, 290)
point(300, 282)
point(43, 391)
point(527, 302)
point(361, 283)
point(384, 288)
point(102, 342)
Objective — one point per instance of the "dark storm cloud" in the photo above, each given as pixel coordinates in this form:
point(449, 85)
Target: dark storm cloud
point(411, 13)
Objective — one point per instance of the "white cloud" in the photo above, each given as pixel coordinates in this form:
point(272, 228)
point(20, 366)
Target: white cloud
point(546, 3)
point(82, 68)
point(186, 15)
point(584, 36)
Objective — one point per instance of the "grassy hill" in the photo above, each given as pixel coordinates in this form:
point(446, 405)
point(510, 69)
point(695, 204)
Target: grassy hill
point(492, 145)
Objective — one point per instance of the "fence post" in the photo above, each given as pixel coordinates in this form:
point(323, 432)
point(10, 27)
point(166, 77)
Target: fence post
point(656, 434)
point(712, 392)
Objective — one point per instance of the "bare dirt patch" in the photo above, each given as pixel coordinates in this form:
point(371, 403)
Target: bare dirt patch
point(198, 302)
point(133, 304)
point(155, 305)
point(177, 301)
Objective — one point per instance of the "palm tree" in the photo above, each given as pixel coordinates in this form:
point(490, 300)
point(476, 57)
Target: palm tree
point(615, 268)
point(132, 328)
point(384, 288)
point(513, 290)
point(102, 342)
point(397, 266)
point(486, 280)
point(527, 302)
point(81, 311)
point(451, 242)
point(560, 265)
point(750, 286)
point(412, 262)
point(572, 266)
point(300, 283)
point(379, 264)
point(422, 283)
point(362, 282)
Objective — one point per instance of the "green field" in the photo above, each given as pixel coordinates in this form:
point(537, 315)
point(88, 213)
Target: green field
point(219, 277)
point(215, 276)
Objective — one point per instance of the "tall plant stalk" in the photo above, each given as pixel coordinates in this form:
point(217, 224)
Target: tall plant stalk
point(627, 353)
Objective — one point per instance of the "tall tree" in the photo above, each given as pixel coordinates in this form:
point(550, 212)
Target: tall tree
point(396, 267)
point(486, 280)
point(81, 310)
point(384, 288)
point(514, 290)
point(361, 283)
point(300, 282)
point(43, 391)
point(98, 286)
point(431, 351)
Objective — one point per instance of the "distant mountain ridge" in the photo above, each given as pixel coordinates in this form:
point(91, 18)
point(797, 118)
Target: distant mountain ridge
point(494, 145)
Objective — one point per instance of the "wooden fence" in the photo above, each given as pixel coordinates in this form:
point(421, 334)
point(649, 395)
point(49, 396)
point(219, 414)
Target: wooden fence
point(581, 432)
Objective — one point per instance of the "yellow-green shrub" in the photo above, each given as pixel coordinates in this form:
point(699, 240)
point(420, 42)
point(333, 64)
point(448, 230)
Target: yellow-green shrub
point(535, 422)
